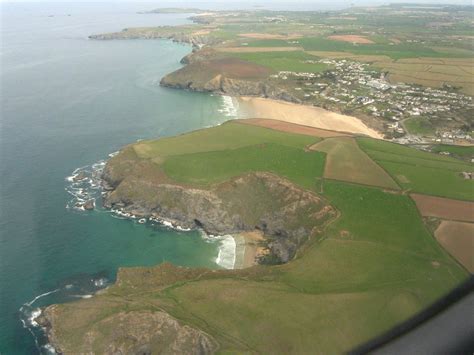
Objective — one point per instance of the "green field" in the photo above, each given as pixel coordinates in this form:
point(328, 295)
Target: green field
point(394, 51)
point(374, 267)
point(462, 152)
point(420, 125)
point(345, 159)
point(284, 61)
point(204, 169)
point(230, 135)
point(421, 172)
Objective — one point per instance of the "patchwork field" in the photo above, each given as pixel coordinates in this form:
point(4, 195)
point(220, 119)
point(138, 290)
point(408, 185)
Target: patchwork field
point(351, 39)
point(421, 172)
point(432, 72)
point(344, 160)
point(458, 239)
point(283, 61)
point(378, 253)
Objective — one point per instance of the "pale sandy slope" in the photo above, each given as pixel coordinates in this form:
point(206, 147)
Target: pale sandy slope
point(252, 107)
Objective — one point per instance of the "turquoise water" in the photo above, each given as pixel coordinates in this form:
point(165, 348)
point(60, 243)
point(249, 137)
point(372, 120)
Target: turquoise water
point(67, 102)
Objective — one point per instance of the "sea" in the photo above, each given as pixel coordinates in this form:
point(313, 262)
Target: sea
point(67, 104)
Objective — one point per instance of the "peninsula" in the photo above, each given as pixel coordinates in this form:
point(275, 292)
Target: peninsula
point(343, 224)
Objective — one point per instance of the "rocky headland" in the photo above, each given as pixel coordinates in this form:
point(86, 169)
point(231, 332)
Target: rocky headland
point(286, 214)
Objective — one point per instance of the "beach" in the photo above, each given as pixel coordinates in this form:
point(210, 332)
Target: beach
point(248, 248)
point(253, 107)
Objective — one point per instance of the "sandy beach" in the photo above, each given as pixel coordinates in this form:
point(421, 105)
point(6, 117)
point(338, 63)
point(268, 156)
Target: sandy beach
point(248, 249)
point(253, 107)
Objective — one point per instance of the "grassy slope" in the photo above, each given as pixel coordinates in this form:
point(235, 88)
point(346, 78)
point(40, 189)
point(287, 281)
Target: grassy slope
point(460, 151)
point(421, 172)
point(230, 135)
point(211, 167)
point(339, 286)
point(373, 267)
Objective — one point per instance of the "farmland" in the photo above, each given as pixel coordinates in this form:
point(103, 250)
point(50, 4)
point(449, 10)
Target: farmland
point(377, 254)
point(344, 160)
point(410, 80)
point(414, 170)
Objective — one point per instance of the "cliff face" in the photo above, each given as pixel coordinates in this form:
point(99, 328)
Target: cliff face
point(130, 332)
point(240, 79)
point(286, 214)
point(193, 38)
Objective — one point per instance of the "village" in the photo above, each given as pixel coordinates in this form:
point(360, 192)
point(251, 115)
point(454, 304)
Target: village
point(355, 87)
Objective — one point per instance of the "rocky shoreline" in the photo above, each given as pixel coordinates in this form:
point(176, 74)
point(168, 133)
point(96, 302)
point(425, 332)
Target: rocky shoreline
point(223, 209)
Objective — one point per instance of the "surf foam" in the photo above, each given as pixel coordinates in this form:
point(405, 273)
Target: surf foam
point(227, 249)
point(228, 106)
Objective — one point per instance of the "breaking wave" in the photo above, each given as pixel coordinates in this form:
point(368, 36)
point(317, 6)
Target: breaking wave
point(83, 287)
point(228, 107)
point(84, 186)
point(227, 249)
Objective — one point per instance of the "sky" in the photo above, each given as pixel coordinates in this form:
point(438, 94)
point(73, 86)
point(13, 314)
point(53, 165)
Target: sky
point(162, 3)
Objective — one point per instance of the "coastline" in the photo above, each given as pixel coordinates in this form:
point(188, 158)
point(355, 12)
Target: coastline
point(305, 115)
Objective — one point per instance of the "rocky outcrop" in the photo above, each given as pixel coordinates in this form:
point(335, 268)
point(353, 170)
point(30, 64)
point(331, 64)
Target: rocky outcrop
point(132, 332)
point(197, 40)
point(286, 214)
point(196, 79)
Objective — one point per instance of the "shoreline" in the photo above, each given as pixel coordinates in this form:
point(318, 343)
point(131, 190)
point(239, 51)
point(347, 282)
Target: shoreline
point(304, 115)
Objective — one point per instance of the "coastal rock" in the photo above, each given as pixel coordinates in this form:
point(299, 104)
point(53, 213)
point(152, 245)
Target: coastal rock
point(285, 213)
point(132, 332)
point(225, 76)
point(89, 205)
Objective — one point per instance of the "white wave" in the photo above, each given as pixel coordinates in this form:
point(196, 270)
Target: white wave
point(227, 249)
point(32, 318)
point(40, 296)
point(83, 296)
point(227, 252)
point(100, 282)
point(49, 349)
point(228, 106)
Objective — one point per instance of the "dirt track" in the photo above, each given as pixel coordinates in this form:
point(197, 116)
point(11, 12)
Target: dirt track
point(351, 39)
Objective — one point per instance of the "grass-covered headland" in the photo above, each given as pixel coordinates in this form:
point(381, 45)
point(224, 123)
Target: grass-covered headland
point(368, 262)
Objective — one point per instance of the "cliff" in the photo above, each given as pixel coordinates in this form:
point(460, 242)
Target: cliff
point(182, 34)
point(228, 76)
point(228, 208)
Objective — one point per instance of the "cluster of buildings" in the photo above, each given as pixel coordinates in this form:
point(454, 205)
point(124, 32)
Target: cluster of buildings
point(355, 87)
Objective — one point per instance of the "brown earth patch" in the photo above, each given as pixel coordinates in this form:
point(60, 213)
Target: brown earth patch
point(236, 68)
point(269, 36)
point(257, 49)
point(351, 39)
point(458, 239)
point(291, 127)
point(345, 161)
point(444, 208)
